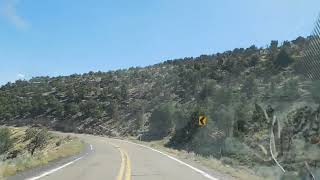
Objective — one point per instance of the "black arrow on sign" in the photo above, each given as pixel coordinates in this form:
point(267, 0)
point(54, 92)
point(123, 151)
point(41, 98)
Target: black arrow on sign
point(202, 120)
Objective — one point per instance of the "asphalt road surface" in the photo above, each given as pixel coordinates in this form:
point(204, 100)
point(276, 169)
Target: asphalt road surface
point(112, 159)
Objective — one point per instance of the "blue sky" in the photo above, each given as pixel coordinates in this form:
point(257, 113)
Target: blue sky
point(62, 37)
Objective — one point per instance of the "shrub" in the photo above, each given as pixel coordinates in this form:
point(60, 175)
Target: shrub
point(30, 133)
point(38, 141)
point(290, 89)
point(58, 143)
point(5, 140)
point(161, 121)
point(91, 108)
point(283, 59)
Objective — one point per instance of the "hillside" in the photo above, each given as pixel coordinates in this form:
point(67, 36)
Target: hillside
point(241, 91)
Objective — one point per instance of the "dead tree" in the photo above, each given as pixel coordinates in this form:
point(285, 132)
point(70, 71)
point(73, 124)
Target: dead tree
point(309, 170)
point(272, 142)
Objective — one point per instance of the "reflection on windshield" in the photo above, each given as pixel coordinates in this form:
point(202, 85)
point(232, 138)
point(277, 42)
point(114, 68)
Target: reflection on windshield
point(252, 108)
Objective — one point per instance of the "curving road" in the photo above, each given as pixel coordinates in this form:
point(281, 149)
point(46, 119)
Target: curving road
point(112, 159)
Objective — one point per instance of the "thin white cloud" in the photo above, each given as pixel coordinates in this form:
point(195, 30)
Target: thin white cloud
point(21, 76)
point(9, 11)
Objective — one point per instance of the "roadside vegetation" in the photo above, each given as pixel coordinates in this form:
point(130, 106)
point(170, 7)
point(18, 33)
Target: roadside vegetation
point(25, 148)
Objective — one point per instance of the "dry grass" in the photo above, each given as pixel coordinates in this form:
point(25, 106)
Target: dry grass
point(57, 147)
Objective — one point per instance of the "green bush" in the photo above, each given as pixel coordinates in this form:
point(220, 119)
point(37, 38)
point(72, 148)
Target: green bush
point(30, 133)
point(161, 121)
point(290, 90)
point(5, 141)
point(39, 140)
point(91, 108)
point(184, 133)
point(283, 59)
point(72, 109)
point(235, 147)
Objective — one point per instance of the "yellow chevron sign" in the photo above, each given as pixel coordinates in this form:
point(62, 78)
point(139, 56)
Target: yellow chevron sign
point(202, 121)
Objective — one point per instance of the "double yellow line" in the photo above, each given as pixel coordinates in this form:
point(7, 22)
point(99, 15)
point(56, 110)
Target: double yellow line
point(125, 168)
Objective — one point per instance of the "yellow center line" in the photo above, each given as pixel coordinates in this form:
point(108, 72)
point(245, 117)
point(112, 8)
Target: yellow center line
point(121, 171)
point(128, 172)
point(125, 168)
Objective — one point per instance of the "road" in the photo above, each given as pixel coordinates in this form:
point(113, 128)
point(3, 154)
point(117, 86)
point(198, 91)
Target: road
point(112, 159)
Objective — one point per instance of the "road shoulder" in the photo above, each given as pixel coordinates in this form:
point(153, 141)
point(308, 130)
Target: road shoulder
point(34, 172)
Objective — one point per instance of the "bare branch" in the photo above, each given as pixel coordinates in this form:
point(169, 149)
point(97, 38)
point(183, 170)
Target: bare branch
point(309, 170)
point(272, 144)
point(263, 149)
point(279, 128)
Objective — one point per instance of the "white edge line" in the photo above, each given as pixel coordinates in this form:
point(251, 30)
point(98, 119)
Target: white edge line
point(58, 168)
point(175, 159)
point(54, 170)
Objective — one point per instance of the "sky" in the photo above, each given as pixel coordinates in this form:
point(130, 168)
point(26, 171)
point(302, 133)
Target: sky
point(63, 37)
